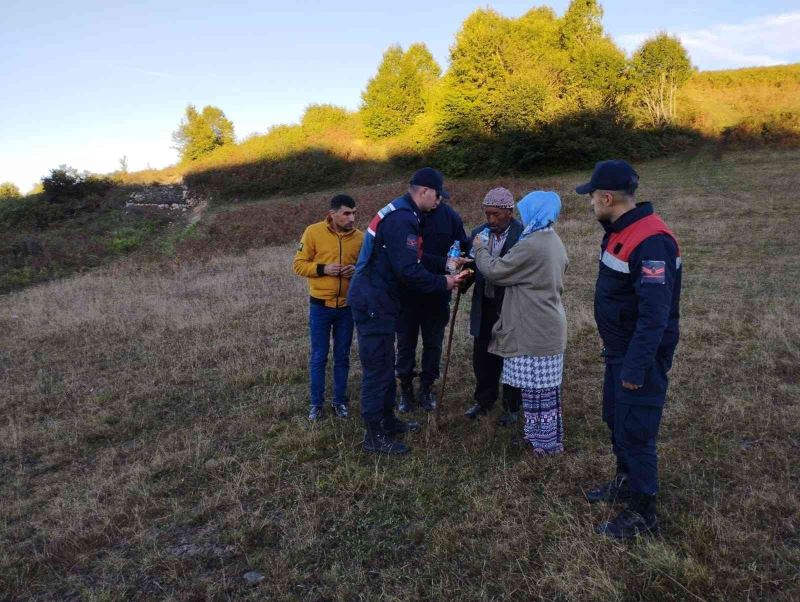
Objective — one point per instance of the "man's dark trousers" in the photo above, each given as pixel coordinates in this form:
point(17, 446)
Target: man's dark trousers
point(428, 314)
point(488, 367)
point(633, 417)
point(376, 351)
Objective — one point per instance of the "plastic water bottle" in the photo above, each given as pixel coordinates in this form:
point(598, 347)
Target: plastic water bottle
point(454, 253)
point(484, 234)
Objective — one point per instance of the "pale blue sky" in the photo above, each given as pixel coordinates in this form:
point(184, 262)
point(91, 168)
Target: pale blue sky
point(85, 83)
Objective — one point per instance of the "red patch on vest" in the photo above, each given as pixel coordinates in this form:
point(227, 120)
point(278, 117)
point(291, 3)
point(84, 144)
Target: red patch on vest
point(622, 244)
point(373, 225)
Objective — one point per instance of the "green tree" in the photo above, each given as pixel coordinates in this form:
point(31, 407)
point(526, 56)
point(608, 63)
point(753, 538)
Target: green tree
point(593, 78)
point(658, 70)
point(516, 75)
point(319, 118)
point(64, 182)
point(400, 90)
point(581, 24)
point(473, 83)
point(201, 132)
point(8, 190)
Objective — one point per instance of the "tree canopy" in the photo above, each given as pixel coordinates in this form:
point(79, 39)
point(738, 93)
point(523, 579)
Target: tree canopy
point(201, 132)
point(512, 75)
point(658, 69)
point(400, 90)
point(9, 190)
point(519, 93)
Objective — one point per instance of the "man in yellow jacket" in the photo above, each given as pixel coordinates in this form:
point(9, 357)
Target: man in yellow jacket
point(326, 256)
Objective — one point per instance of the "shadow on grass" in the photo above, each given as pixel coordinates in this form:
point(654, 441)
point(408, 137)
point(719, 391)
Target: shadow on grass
point(461, 149)
point(51, 236)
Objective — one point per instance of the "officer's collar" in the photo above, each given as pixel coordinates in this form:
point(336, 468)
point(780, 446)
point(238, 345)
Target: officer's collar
point(626, 219)
point(413, 205)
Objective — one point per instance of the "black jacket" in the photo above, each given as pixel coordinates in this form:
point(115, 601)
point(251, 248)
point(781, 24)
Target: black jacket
point(637, 297)
point(515, 229)
point(439, 228)
point(392, 262)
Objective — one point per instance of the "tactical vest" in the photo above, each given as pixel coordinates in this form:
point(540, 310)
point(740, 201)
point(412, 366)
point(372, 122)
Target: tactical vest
point(622, 244)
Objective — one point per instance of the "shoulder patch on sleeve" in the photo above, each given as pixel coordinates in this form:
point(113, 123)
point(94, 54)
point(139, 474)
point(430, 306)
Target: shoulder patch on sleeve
point(411, 241)
point(300, 246)
point(653, 272)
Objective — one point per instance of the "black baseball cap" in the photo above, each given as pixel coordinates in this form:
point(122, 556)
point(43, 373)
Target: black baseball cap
point(430, 178)
point(611, 175)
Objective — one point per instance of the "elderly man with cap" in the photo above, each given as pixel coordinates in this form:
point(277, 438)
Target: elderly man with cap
point(636, 305)
point(427, 313)
point(390, 259)
point(487, 299)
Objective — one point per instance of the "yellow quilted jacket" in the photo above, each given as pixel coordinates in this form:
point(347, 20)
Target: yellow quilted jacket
point(319, 246)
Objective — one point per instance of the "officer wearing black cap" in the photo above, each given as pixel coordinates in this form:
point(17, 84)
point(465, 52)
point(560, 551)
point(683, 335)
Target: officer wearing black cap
point(636, 306)
point(427, 313)
point(390, 259)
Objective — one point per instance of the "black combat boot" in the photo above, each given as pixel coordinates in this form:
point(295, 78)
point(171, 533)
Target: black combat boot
point(378, 442)
point(616, 490)
point(639, 518)
point(393, 426)
point(508, 418)
point(427, 398)
point(476, 411)
point(407, 401)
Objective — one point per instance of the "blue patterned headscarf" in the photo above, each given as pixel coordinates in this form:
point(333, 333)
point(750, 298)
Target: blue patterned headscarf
point(539, 209)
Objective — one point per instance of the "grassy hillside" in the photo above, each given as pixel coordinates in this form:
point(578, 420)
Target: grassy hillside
point(715, 100)
point(737, 108)
point(154, 442)
point(42, 239)
point(744, 108)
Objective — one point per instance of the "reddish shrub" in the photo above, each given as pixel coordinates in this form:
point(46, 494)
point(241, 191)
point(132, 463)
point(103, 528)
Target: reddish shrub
point(279, 221)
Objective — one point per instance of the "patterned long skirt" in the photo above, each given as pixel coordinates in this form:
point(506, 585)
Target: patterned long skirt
point(539, 377)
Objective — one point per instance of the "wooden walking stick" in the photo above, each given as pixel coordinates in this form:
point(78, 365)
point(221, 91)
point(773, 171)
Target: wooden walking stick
point(437, 411)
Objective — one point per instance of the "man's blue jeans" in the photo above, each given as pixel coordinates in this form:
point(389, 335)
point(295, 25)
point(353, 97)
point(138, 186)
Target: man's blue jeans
point(322, 321)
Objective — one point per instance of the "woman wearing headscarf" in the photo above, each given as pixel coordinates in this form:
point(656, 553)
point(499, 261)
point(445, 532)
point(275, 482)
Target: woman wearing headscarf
point(531, 334)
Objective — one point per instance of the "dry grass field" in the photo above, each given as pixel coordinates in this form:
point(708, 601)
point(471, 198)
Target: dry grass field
point(154, 446)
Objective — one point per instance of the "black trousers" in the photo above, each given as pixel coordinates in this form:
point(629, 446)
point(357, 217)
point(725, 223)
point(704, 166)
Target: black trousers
point(488, 367)
point(634, 426)
point(376, 351)
point(428, 315)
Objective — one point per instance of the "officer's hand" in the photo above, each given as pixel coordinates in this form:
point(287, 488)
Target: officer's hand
point(333, 269)
point(630, 386)
point(461, 262)
point(467, 277)
point(348, 271)
point(452, 282)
